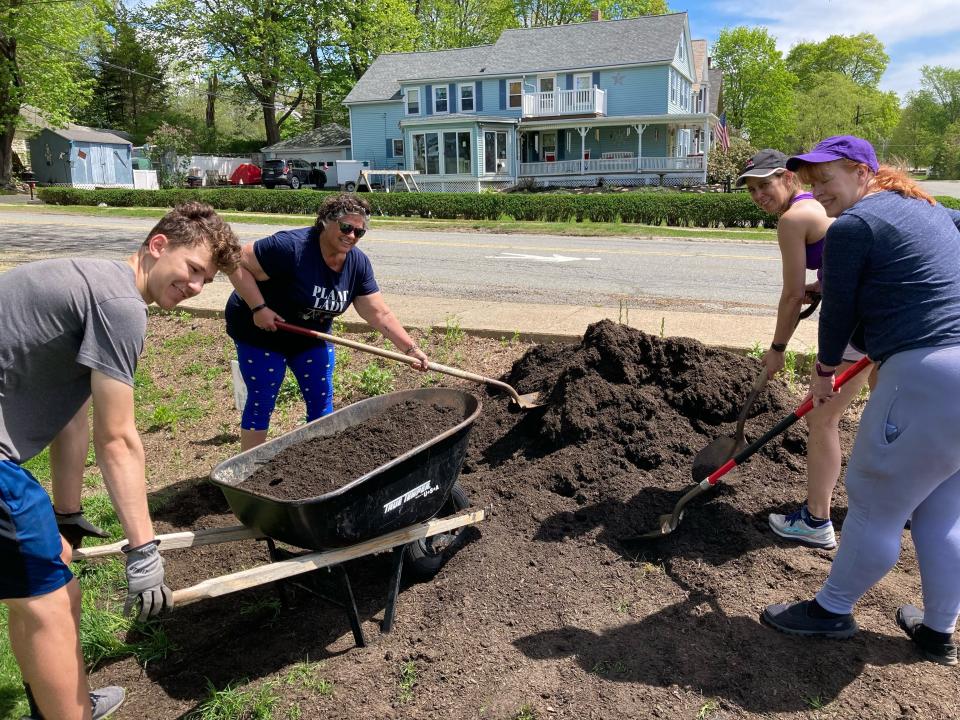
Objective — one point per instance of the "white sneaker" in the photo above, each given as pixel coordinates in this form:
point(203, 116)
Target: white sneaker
point(797, 526)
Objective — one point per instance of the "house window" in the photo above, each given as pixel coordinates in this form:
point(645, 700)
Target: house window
point(582, 82)
point(682, 50)
point(440, 99)
point(413, 101)
point(456, 153)
point(514, 93)
point(495, 152)
point(426, 153)
point(398, 147)
point(466, 98)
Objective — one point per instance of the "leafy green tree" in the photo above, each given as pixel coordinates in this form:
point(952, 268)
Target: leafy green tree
point(758, 89)
point(541, 13)
point(943, 84)
point(41, 64)
point(836, 105)
point(915, 139)
point(169, 151)
point(724, 166)
point(861, 58)
point(462, 23)
point(946, 163)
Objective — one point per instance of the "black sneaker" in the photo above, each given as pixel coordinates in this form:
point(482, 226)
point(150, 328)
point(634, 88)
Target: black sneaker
point(793, 619)
point(910, 620)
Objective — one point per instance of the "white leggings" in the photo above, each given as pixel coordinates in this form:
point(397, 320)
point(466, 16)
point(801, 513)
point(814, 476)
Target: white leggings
point(905, 464)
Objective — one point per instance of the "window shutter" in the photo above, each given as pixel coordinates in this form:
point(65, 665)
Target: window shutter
point(452, 102)
point(503, 94)
point(561, 143)
point(389, 147)
point(596, 78)
point(569, 81)
point(428, 101)
point(478, 96)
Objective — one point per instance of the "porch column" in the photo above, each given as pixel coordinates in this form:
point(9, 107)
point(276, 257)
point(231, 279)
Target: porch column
point(706, 148)
point(583, 133)
point(639, 128)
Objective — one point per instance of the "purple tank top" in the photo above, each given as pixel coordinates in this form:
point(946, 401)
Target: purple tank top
point(814, 250)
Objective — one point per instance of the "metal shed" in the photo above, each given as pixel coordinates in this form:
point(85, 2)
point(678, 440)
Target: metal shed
point(82, 157)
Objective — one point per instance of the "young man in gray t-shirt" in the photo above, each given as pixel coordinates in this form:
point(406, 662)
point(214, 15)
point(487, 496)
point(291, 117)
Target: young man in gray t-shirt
point(72, 330)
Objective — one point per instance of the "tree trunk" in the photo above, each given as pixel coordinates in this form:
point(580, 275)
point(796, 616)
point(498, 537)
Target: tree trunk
point(212, 84)
point(6, 155)
point(318, 104)
point(270, 123)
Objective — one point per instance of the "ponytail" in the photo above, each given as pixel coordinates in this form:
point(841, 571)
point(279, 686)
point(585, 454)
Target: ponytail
point(890, 178)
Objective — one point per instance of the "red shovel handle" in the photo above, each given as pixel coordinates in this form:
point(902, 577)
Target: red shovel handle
point(781, 426)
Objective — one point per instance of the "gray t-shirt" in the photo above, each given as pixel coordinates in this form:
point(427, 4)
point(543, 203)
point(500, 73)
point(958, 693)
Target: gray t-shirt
point(60, 319)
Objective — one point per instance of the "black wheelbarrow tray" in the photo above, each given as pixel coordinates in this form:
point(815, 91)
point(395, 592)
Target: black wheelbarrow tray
point(389, 508)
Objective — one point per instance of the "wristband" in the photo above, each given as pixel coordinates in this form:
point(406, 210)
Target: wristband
point(255, 310)
point(778, 347)
point(824, 373)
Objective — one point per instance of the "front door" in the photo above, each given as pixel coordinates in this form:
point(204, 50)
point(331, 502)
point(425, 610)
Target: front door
point(549, 142)
point(546, 86)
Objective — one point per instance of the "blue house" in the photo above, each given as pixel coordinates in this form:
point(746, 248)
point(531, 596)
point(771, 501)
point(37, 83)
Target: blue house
point(621, 100)
point(82, 157)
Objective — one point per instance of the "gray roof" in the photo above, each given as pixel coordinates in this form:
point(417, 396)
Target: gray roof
point(607, 43)
point(381, 80)
point(329, 135)
point(85, 134)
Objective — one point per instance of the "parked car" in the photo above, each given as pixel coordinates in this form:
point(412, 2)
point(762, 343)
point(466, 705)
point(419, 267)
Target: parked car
point(246, 174)
point(292, 172)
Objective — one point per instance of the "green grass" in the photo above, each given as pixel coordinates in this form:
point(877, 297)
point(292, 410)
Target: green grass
point(305, 675)
point(581, 229)
point(407, 681)
point(526, 712)
point(707, 709)
point(231, 703)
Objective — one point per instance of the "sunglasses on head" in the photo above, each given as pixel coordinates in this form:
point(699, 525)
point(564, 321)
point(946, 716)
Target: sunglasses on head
point(347, 228)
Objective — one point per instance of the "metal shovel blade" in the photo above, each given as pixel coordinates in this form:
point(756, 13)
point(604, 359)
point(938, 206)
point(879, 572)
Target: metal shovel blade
point(529, 401)
point(666, 524)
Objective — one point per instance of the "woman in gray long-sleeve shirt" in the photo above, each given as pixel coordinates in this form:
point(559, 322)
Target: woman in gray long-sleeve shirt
point(891, 280)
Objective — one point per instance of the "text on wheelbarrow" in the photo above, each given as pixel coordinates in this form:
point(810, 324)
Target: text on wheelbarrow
point(421, 490)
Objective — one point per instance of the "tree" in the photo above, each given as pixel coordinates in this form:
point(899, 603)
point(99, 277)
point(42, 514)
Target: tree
point(836, 105)
point(41, 64)
point(915, 138)
point(861, 58)
point(928, 130)
point(757, 93)
point(724, 166)
point(541, 13)
point(943, 84)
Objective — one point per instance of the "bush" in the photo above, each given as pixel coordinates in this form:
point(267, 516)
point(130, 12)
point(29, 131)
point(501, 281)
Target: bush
point(650, 208)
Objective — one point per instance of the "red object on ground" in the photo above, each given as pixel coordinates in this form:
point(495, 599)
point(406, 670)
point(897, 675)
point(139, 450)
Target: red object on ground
point(246, 174)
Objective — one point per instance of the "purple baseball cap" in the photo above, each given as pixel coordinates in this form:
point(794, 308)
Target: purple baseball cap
point(838, 147)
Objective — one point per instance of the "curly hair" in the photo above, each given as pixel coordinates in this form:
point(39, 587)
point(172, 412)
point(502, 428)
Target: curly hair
point(887, 177)
point(336, 206)
point(192, 223)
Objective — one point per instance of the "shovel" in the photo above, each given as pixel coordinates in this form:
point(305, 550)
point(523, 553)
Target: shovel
point(668, 523)
point(527, 401)
point(723, 448)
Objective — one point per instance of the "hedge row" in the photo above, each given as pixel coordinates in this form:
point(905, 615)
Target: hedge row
point(649, 208)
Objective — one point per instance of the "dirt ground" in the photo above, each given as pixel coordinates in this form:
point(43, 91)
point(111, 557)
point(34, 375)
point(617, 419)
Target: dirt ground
point(543, 611)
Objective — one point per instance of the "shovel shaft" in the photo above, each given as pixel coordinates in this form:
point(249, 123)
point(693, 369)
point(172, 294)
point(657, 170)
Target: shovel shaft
point(780, 427)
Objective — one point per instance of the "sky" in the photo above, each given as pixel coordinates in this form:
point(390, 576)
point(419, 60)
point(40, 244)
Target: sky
point(913, 32)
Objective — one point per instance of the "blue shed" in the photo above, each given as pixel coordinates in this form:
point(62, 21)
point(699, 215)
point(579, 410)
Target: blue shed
point(81, 156)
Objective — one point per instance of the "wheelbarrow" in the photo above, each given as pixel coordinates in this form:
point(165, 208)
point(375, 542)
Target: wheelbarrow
point(390, 508)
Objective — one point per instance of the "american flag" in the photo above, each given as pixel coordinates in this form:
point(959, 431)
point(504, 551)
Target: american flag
point(722, 135)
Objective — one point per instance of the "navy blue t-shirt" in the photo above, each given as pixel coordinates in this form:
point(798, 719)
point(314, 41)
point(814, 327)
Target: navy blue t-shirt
point(302, 289)
point(891, 272)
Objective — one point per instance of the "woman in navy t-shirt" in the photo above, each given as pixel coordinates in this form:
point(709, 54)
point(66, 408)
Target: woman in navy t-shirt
point(306, 277)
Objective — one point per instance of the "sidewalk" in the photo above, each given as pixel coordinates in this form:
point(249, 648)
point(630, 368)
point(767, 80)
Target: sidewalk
point(545, 323)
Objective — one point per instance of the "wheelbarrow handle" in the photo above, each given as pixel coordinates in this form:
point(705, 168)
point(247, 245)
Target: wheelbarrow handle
point(811, 308)
point(780, 427)
point(399, 357)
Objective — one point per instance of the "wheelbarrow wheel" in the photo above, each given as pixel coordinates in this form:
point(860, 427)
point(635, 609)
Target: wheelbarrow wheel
point(425, 557)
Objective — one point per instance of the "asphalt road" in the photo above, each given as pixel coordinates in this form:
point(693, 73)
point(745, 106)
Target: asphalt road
point(709, 276)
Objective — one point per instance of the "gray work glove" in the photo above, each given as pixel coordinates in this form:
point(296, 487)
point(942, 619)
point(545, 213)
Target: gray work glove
point(75, 527)
point(145, 581)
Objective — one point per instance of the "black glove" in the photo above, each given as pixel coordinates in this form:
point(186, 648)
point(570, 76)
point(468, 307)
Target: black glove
point(145, 581)
point(75, 527)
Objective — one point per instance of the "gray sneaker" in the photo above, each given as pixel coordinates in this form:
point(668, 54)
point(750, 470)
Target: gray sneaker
point(797, 526)
point(103, 702)
point(106, 700)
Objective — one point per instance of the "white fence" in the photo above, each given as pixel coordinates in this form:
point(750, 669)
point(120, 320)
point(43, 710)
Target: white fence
point(613, 165)
point(565, 102)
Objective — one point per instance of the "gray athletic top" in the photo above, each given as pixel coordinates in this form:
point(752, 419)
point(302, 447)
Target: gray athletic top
point(60, 319)
point(891, 272)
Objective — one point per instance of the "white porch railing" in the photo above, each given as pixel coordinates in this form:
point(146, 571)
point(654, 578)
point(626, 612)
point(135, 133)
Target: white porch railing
point(592, 101)
point(613, 165)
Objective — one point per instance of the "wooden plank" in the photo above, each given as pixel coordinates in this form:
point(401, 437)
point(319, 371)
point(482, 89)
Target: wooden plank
point(225, 584)
point(173, 541)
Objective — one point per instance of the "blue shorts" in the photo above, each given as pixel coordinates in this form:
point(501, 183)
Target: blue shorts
point(30, 546)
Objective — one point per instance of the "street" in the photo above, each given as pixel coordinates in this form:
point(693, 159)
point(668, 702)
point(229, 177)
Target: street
point(670, 274)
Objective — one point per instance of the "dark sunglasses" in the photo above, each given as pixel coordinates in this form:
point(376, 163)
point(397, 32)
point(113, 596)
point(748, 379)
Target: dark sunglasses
point(347, 228)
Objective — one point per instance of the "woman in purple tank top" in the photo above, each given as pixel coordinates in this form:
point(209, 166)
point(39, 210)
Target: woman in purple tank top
point(800, 234)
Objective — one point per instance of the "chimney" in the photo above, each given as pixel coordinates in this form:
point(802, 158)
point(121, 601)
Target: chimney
point(596, 15)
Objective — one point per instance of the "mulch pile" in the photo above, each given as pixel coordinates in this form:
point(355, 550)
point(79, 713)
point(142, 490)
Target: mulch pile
point(545, 607)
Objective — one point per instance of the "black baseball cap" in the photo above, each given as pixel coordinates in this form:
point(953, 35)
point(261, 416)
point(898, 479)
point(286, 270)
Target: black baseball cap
point(763, 164)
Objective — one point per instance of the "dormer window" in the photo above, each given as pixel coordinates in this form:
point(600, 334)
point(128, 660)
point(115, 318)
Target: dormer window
point(413, 101)
point(440, 99)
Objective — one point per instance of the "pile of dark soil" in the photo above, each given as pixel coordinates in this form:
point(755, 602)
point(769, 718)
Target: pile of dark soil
point(544, 611)
point(315, 467)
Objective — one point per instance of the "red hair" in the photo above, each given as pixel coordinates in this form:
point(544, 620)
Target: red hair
point(886, 178)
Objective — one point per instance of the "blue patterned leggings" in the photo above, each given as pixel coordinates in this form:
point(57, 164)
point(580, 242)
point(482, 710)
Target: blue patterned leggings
point(263, 372)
